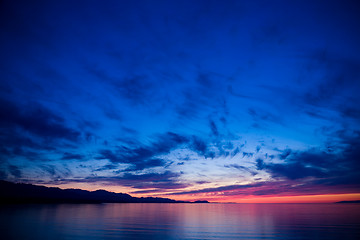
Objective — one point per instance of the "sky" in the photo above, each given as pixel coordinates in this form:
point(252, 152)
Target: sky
point(226, 101)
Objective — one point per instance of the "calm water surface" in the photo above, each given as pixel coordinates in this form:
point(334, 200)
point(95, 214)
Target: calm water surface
point(180, 221)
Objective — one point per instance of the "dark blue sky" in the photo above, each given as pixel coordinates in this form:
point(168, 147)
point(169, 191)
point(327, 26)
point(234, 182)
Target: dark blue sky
point(182, 97)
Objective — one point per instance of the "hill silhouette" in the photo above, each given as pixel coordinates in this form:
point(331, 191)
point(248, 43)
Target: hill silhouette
point(28, 193)
point(356, 201)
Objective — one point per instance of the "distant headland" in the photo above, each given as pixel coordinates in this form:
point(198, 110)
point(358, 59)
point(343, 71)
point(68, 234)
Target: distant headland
point(28, 193)
point(356, 201)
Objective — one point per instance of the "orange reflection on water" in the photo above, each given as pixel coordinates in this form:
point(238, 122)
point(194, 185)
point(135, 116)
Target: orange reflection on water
point(180, 221)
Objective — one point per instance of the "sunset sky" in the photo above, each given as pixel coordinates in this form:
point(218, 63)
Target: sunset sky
point(228, 101)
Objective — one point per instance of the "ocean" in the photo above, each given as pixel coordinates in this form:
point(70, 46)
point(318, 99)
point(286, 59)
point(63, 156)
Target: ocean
point(179, 221)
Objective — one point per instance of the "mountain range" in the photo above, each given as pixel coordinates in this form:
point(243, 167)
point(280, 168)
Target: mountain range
point(28, 193)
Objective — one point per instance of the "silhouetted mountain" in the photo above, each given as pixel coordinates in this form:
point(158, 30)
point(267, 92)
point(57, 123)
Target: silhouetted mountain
point(28, 193)
point(357, 201)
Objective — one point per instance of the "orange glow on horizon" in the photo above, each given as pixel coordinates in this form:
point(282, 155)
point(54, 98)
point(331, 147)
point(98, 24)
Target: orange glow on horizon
point(321, 198)
point(324, 198)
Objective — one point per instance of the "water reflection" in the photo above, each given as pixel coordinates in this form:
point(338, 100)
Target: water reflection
point(181, 221)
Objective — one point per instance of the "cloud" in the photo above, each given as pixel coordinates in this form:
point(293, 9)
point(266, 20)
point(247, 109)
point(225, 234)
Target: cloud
point(165, 180)
point(242, 168)
point(295, 170)
point(15, 171)
point(14, 144)
point(231, 91)
point(247, 154)
point(285, 154)
point(273, 188)
point(200, 146)
point(50, 169)
point(204, 93)
point(142, 156)
point(300, 188)
point(263, 116)
point(36, 120)
point(337, 85)
point(145, 156)
point(107, 167)
point(147, 191)
point(137, 89)
point(235, 152)
point(350, 111)
point(149, 163)
point(330, 168)
point(72, 156)
point(268, 34)
point(30, 131)
point(214, 128)
point(191, 106)
point(219, 189)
